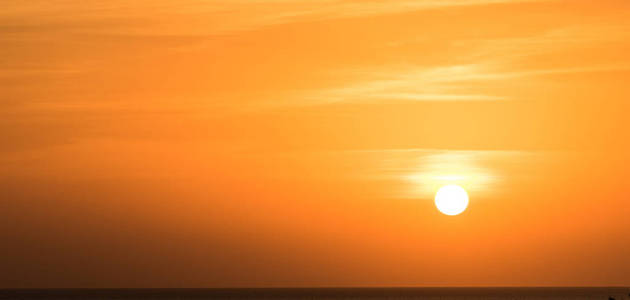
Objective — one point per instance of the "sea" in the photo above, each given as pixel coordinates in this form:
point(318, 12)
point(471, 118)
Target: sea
point(548, 293)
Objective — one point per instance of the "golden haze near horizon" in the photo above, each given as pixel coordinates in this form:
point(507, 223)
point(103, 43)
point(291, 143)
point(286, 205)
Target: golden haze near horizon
point(300, 143)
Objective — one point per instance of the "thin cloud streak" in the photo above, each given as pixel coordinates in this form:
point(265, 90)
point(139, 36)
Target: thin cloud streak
point(226, 16)
point(437, 84)
point(556, 40)
point(422, 84)
point(490, 61)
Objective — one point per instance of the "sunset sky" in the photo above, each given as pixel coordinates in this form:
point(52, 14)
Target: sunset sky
point(286, 143)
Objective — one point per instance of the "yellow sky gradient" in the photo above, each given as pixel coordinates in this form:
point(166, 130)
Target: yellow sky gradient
point(272, 143)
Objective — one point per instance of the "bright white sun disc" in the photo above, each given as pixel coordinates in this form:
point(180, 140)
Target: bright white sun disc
point(451, 200)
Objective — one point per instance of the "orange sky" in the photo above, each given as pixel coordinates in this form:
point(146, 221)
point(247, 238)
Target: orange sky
point(187, 143)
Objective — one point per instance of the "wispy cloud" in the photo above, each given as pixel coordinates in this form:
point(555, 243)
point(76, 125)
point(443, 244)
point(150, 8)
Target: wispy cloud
point(555, 40)
point(215, 16)
point(446, 83)
point(486, 63)
point(442, 83)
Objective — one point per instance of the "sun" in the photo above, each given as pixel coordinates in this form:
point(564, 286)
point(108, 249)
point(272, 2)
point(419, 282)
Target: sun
point(451, 200)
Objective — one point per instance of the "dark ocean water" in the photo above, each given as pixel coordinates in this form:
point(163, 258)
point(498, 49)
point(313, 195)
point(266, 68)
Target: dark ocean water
point(324, 293)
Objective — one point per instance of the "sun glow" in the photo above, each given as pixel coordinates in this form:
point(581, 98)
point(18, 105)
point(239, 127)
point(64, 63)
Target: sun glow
point(451, 200)
point(472, 170)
